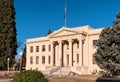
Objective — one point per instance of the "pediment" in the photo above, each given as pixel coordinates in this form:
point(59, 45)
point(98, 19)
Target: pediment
point(63, 32)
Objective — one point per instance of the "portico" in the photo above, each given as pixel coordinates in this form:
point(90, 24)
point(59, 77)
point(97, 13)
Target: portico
point(64, 52)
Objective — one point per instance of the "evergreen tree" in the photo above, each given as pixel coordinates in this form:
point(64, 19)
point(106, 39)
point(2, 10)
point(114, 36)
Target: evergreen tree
point(8, 41)
point(108, 51)
point(24, 57)
point(49, 32)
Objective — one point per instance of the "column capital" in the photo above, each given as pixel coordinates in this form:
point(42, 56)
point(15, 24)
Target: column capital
point(52, 42)
point(70, 40)
point(81, 38)
point(60, 41)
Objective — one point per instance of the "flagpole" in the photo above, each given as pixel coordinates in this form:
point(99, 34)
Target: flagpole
point(65, 15)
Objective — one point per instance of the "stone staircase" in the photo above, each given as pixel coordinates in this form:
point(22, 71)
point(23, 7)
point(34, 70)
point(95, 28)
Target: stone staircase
point(55, 69)
point(52, 71)
point(64, 72)
point(59, 72)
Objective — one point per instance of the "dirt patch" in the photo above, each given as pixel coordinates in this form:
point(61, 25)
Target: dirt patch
point(70, 80)
point(8, 74)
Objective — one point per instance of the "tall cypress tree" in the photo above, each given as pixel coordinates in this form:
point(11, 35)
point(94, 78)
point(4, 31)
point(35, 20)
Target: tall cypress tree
point(8, 40)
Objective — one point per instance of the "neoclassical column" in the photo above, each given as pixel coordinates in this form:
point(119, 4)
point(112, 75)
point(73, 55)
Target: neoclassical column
point(60, 52)
point(52, 53)
point(81, 59)
point(70, 53)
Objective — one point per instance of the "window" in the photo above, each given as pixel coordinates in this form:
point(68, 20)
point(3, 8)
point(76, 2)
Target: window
point(94, 61)
point(31, 48)
point(77, 45)
point(77, 58)
point(43, 59)
point(49, 48)
point(31, 60)
point(95, 43)
point(49, 60)
point(43, 47)
point(67, 59)
point(37, 48)
point(67, 46)
point(37, 59)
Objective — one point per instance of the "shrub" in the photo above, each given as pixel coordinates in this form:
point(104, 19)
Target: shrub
point(29, 76)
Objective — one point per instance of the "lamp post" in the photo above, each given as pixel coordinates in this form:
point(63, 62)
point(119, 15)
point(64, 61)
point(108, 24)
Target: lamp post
point(8, 59)
point(21, 61)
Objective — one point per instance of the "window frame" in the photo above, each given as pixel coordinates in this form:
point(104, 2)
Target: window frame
point(94, 43)
point(31, 49)
point(43, 59)
point(37, 59)
point(49, 59)
point(31, 59)
point(94, 60)
point(78, 60)
point(49, 47)
point(37, 48)
point(43, 48)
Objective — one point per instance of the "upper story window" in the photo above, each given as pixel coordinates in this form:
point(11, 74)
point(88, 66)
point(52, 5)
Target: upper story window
point(49, 47)
point(31, 48)
point(95, 43)
point(43, 47)
point(37, 48)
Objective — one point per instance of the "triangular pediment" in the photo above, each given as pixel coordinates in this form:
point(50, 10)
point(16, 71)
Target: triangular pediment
point(63, 32)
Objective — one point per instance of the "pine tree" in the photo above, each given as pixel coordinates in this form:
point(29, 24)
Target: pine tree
point(49, 32)
point(24, 57)
point(8, 41)
point(108, 51)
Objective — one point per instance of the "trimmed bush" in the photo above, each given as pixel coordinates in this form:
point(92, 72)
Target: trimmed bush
point(29, 76)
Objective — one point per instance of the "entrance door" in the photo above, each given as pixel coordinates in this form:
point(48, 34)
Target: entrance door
point(67, 60)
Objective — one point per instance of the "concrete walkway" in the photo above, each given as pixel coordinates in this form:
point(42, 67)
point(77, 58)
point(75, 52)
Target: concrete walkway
point(4, 80)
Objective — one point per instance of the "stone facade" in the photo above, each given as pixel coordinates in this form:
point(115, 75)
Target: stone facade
point(66, 47)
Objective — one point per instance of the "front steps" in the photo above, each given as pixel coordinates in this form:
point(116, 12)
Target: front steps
point(60, 72)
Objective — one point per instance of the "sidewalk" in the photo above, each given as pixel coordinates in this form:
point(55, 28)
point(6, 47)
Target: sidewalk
point(4, 80)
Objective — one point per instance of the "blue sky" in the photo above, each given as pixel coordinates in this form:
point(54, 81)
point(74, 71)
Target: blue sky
point(35, 17)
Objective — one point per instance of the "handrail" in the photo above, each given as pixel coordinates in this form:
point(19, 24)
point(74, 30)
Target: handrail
point(52, 71)
point(55, 69)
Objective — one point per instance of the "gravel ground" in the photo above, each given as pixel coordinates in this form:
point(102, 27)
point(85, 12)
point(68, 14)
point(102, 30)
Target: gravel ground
point(70, 80)
point(83, 78)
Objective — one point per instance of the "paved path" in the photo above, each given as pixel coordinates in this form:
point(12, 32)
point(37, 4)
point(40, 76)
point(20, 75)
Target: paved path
point(4, 80)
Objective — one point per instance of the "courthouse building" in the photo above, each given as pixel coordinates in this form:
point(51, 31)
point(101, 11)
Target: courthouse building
point(65, 47)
